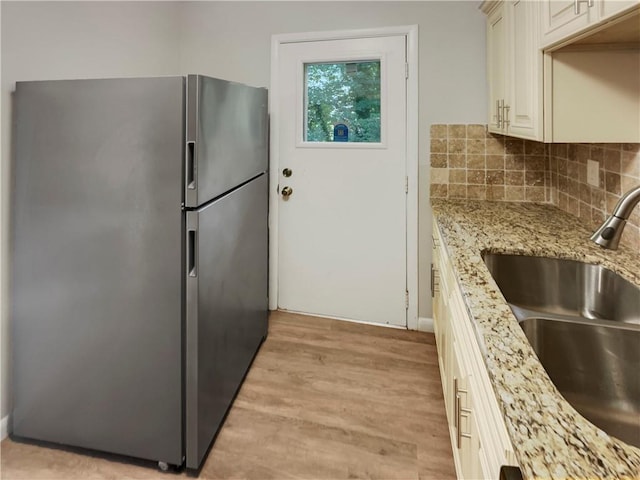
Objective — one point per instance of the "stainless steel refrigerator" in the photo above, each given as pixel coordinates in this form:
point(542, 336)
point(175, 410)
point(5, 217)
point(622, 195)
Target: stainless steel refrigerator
point(139, 260)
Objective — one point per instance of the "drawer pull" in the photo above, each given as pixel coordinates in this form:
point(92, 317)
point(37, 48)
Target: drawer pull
point(457, 415)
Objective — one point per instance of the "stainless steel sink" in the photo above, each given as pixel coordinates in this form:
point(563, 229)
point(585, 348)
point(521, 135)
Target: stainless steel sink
point(595, 367)
point(565, 287)
point(583, 322)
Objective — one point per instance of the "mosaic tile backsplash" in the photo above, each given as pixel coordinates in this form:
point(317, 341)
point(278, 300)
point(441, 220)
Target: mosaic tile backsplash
point(468, 162)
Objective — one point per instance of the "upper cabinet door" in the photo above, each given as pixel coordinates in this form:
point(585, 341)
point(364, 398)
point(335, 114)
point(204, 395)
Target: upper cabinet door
point(610, 8)
point(496, 67)
point(560, 18)
point(514, 66)
point(563, 19)
point(523, 113)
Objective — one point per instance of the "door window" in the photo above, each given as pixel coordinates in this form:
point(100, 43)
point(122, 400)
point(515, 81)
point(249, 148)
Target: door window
point(342, 102)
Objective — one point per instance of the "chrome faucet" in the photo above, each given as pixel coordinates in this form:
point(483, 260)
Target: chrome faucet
point(609, 233)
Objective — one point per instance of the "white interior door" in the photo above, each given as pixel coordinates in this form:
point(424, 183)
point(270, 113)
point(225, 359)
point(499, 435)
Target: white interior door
point(342, 233)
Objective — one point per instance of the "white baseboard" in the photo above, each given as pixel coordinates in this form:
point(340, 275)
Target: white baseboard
point(425, 324)
point(4, 428)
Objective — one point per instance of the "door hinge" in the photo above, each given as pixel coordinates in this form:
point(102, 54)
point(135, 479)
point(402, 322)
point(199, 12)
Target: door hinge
point(406, 70)
point(406, 184)
point(406, 299)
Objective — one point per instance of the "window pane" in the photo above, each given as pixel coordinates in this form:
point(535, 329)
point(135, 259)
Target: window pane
point(342, 102)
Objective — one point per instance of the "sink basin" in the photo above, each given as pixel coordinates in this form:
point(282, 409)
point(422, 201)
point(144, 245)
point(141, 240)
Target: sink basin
point(595, 368)
point(565, 287)
point(583, 322)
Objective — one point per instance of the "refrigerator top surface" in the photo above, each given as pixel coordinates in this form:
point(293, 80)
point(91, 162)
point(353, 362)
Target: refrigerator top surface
point(154, 77)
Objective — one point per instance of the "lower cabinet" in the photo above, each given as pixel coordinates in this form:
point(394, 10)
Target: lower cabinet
point(479, 437)
point(462, 423)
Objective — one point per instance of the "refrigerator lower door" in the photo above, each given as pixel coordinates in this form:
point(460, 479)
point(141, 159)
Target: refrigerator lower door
point(226, 319)
point(97, 265)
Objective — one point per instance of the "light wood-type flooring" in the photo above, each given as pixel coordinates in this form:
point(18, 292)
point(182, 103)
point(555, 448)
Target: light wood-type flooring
point(324, 399)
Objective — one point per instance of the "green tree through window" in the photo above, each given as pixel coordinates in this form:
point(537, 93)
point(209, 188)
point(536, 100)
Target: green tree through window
point(346, 93)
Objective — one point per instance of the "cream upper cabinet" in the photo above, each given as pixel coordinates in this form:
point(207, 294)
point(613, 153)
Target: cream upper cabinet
point(564, 19)
point(561, 18)
point(524, 117)
point(592, 81)
point(496, 66)
point(514, 68)
point(564, 71)
point(611, 8)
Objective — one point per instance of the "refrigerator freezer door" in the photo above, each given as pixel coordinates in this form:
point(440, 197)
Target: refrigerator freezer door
point(97, 265)
point(226, 273)
point(227, 138)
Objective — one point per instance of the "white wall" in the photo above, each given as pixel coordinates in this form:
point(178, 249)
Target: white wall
point(233, 40)
point(55, 40)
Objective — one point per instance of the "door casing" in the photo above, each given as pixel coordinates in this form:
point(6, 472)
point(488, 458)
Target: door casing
point(411, 32)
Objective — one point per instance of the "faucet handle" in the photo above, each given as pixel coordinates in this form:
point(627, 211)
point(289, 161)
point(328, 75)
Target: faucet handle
point(609, 233)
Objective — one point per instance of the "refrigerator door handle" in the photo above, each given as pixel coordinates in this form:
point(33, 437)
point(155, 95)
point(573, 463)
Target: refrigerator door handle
point(192, 252)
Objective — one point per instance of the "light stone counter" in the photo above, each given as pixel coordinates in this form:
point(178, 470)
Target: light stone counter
point(550, 439)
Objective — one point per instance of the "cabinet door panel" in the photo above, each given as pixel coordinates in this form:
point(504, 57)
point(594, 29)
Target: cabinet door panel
point(496, 55)
point(560, 19)
point(455, 383)
point(466, 434)
point(609, 8)
point(524, 71)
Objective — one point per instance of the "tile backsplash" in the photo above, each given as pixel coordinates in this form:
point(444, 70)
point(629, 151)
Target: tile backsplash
point(619, 171)
point(468, 162)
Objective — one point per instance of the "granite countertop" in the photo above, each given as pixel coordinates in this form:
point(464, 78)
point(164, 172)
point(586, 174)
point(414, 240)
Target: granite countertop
point(550, 439)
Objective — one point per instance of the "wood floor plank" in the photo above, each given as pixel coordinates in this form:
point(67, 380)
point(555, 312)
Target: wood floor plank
point(21, 461)
point(362, 416)
point(348, 368)
point(288, 345)
point(430, 459)
point(358, 343)
point(324, 399)
point(310, 450)
point(374, 393)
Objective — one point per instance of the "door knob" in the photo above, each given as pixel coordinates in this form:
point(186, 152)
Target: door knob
point(286, 191)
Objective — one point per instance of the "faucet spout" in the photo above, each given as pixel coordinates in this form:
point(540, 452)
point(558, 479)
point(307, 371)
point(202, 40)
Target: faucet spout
point(610, 232)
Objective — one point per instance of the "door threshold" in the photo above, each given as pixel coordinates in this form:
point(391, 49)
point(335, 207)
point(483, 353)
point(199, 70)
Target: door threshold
point(343, 319)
